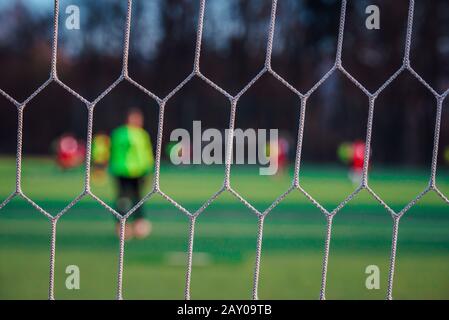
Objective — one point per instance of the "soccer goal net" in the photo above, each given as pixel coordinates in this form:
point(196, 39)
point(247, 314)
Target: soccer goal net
point(227, 187)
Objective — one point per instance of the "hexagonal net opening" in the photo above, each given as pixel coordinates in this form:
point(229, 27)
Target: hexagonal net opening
point(403, 141)
point(193, 144)
point(334, 141)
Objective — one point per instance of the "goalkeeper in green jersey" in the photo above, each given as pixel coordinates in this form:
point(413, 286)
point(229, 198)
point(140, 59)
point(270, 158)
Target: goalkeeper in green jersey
point(131, 161)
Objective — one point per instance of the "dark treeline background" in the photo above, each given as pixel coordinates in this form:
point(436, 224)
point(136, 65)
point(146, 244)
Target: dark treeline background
point(233, 51)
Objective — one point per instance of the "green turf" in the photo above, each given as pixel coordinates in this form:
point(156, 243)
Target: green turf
point(225, 237)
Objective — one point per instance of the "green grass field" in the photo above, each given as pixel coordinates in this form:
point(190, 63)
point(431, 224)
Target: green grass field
point(225, 237)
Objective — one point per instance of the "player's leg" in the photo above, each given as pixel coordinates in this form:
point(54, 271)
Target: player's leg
point(125, 195)
point(124, 204)
point(141, 226)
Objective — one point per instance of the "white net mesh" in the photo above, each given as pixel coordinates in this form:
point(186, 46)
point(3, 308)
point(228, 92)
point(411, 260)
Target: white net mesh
point(233, 100)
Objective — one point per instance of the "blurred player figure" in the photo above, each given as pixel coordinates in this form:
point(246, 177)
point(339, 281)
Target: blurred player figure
point(100, 156)
point(279, 152)
point(131, 161)
point(70, 152)
point(353, 154)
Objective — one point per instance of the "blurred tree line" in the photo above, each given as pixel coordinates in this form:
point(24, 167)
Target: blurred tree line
point(163, 37)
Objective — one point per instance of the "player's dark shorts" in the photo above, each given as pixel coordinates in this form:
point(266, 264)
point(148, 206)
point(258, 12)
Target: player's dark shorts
point(129, 194)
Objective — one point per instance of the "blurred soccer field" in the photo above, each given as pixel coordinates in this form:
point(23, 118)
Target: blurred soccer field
point(225, 237)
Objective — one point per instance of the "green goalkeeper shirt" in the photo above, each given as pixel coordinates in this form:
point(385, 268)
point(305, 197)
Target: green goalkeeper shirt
point(131, 152)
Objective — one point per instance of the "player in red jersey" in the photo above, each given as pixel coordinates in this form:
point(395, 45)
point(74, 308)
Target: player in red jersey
point(70, 152)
